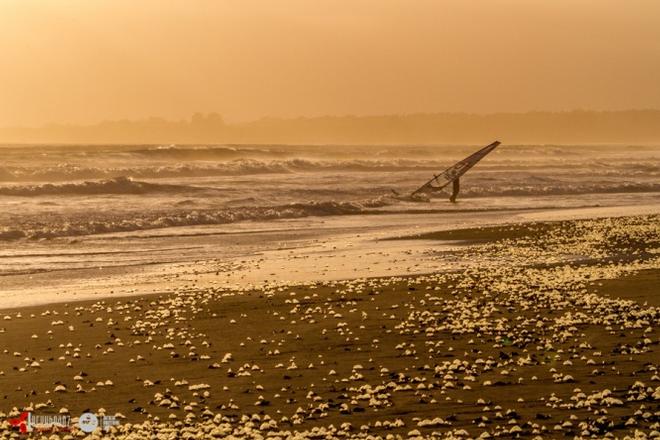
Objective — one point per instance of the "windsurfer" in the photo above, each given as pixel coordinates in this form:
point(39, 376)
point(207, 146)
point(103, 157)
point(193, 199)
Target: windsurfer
point(456, 186)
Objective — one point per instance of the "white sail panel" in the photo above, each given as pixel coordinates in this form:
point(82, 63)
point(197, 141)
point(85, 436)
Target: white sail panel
point(455, 171)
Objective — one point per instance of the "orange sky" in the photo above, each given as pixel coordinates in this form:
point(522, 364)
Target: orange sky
point(82, 61)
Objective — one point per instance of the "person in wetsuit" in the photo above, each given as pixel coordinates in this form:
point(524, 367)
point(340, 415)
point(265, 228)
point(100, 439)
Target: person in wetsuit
point(456, 186)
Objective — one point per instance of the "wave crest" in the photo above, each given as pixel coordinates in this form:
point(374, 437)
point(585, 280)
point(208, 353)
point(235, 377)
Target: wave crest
point(117, 185)
point(545, 189)
point(69, 227)
point(252, 166)
point(64, 172)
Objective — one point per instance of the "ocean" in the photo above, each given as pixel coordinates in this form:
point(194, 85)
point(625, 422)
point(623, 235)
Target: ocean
point(66, 191)
point(77, 219)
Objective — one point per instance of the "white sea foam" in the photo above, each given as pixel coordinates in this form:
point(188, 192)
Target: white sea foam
point(62, 226)
point(117, 185)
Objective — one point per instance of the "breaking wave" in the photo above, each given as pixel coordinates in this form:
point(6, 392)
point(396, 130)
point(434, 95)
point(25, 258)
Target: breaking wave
point(71, 227)
point(155, 163)
point(118, 185)
point(544, 189)
point(64, 172)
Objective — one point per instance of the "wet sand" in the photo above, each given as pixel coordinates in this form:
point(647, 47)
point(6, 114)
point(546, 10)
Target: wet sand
point(247, 254)
point(552, 331)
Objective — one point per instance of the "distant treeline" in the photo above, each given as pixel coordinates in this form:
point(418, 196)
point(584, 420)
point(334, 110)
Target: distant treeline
point(579, 127)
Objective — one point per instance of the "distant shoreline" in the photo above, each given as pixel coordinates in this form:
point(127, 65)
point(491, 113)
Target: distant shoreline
point(638, 127)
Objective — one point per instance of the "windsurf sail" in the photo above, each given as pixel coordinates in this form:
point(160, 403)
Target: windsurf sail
point(451, 174)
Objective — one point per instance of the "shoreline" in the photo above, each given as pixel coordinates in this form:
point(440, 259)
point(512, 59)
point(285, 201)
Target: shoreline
point(254, 254)
point(456, 238)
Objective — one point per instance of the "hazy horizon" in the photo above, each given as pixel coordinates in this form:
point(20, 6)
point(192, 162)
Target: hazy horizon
point(79, 62)
point(189, 117)
point(640, 127)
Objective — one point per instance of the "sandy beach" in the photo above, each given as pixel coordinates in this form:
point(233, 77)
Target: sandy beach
point(542, 329)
